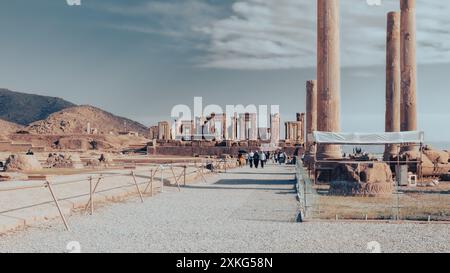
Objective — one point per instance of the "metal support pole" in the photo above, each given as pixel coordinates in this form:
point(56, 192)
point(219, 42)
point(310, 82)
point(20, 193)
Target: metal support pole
point(150, 183)
point(162, 177)
point(173, 173)
point(92, 192)
point(200, 170)
point(91, 195)
point(137, 186)
point(47, 184)
point(184, 175)
point(421, 163)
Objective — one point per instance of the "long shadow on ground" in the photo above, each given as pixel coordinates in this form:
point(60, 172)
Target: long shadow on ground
point(253, 182)
point(245, 184)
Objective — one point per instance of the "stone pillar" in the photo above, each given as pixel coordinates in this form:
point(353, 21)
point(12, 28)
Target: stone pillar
point(408, 109)
point(192, 130)
point(298, 138)
point(242, 127)
point(311, 114)
point(254, 126)
point(328, 74)
point(247, 126)
point(224, 127)
point(233, 127)
point(275, 128)
point(287, 131)
point(302, 128)
point(392, 119)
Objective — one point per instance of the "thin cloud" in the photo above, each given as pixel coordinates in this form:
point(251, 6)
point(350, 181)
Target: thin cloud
point(267, 34)
point(176, 19)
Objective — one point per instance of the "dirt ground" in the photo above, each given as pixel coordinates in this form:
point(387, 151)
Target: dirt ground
point(420, 203)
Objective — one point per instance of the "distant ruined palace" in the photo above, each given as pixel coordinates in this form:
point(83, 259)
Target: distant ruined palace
point(239, 127)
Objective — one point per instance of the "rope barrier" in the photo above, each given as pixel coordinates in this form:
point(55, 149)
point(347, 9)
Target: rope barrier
point(93, 187)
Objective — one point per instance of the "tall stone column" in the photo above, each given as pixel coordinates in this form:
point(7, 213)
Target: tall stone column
point(275, 129)
point(392, 119)
point(408, 100)
point(234, 127)
point(302, 128)
point(242, 127)
point(253, 127)
point(311, 114)
point(224, 127)
point(299, 132)
point(328, 74)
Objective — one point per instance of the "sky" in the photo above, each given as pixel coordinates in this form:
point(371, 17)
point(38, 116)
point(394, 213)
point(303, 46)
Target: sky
point(139, 58)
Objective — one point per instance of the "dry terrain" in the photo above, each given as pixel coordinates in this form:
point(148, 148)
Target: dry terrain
point(244, 210)
point(24, 108)
point(7, 128)
point(74, 120)
point(418, 203)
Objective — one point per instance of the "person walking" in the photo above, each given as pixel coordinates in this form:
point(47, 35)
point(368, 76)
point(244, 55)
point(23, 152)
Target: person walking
point(263, 158)
point(256, 159)
point(241, 160)
point(250, 158)
point(281, 158)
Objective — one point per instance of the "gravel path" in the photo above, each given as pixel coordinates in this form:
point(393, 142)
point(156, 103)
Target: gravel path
point(241, 211)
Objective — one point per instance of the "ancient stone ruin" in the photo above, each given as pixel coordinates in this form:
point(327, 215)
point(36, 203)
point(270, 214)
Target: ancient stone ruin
point(435, 163)
point(328, 73)
point(369, 180)
point(392, 120)
point(67, 161)
point(23, 163)
point(105, 160)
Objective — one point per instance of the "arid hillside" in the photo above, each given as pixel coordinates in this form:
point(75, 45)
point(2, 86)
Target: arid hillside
point(74, 120)
point(23, 108)
point(7, 127)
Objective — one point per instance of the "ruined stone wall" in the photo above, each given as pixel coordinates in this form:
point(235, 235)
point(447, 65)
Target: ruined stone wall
point(209, 151)
point(6, 146)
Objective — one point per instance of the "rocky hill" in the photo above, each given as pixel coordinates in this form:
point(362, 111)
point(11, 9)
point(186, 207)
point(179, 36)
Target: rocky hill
point(74, 120)
point(22, 108)
point(7, 127)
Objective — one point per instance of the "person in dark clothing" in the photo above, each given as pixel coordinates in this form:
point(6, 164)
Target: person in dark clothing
point(263, 159)
point(256, 159)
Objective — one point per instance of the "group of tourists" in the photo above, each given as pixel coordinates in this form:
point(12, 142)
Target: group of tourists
point(280, 157)
point(260, 158)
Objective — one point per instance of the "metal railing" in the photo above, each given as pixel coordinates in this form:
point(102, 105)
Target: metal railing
point(426, 203)
point(172, 174)
point(305, 192)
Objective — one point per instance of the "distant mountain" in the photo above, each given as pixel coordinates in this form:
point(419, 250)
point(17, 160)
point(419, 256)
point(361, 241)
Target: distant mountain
point(22, 108)
point(74, 120)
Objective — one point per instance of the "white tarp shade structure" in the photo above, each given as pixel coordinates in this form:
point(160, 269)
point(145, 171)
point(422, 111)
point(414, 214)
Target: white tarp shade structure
point(368, 138)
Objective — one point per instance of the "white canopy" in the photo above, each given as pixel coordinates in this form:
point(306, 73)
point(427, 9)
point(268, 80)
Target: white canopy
point(368, 138)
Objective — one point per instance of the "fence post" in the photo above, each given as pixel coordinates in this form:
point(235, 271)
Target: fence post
point(162, 178)
point(47, 184)
point(184, 175)
point(151, 183)
point(91, 195)
point(173, 173)
point(137, 186)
